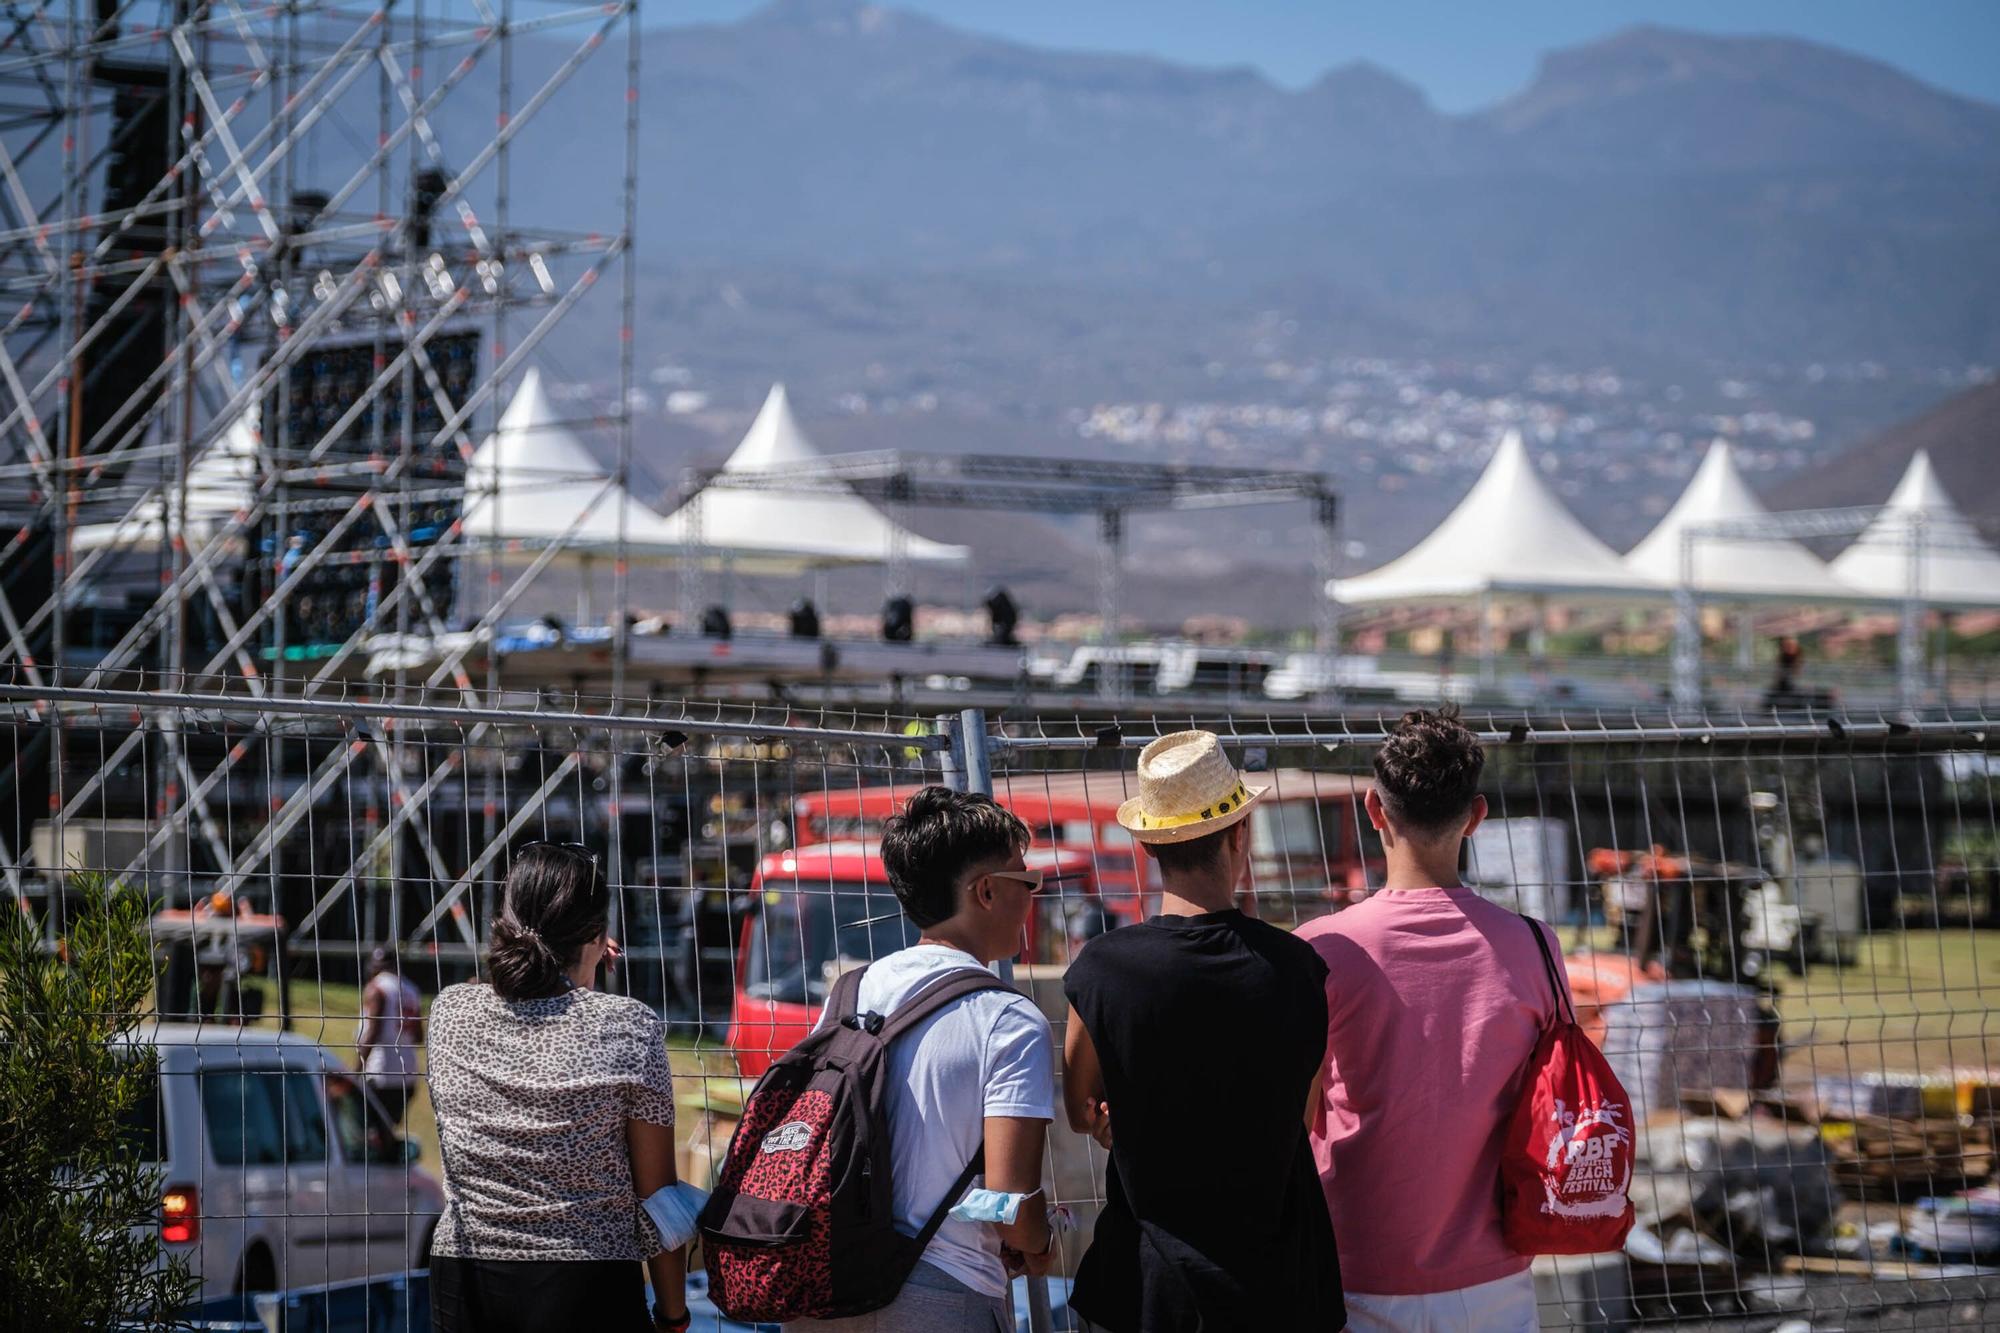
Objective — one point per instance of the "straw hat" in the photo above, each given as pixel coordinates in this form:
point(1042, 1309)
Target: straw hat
point(1187, 789)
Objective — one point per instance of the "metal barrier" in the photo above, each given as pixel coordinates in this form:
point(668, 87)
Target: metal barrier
point(1785, 931)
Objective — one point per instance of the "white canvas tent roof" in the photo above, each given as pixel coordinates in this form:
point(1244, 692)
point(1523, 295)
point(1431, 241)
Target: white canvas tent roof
point(1745, 567)
point(1510, 534)
point(530, 480)
point(221, 480)
point(779, 532)
point(1956, 567)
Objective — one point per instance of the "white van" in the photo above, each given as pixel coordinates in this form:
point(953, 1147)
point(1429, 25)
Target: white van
point(279, 1168)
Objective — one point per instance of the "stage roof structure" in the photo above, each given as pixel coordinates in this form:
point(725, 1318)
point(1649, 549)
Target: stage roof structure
point(1111, 490)
point(1509, 536)
point(1953, 567)
point(776, 529)
point(1741, 566)
point(533, 485)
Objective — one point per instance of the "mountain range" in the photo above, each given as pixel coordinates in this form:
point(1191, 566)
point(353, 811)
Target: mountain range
point(1962, 436)
point(828, 184)
point(1655, 196)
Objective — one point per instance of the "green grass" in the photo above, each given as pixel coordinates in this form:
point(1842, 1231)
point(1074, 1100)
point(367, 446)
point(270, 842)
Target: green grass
point(329, 1013)
point(1920, 1001)
point(1916, 1001)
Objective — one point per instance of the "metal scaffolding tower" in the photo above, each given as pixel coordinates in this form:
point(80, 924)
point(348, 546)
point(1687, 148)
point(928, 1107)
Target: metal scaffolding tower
point(285, 249)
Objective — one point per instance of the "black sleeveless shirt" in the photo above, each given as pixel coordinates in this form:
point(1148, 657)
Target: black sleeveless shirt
point(1209, 1030)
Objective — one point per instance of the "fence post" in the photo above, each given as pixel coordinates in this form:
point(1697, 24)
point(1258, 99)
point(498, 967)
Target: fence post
point(1910, 619)
point(951, 759)
point(1686, 653)
point(975, 764)
point(970, 768)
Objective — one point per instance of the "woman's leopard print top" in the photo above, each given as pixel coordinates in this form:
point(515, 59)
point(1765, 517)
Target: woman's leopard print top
point(532, 1097)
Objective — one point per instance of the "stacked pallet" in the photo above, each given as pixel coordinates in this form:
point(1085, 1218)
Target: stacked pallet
point(1889, 1157)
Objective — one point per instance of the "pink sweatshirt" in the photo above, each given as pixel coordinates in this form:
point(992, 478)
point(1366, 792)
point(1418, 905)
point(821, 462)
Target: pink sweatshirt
point(1435, 1000)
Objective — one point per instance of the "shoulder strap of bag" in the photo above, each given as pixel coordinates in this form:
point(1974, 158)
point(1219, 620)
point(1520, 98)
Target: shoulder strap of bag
point(936, 994)
point(952, 1196)
point(1549, 964)
point(845, 997)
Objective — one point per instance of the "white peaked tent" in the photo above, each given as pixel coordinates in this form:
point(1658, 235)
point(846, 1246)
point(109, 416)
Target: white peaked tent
point(1745, 567)
point(1509, 535)
point(532, 478)
point(1955, 567)
point(784, 532)
point(221, 480)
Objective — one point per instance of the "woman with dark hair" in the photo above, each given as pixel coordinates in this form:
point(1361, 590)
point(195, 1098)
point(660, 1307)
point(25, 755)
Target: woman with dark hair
point(555, 1117)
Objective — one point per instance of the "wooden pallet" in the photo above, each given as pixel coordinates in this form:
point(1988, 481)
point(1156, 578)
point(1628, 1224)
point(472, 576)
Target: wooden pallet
point(1879, 1157)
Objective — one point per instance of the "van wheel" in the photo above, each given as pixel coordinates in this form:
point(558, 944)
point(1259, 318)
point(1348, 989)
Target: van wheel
point(259, 1272)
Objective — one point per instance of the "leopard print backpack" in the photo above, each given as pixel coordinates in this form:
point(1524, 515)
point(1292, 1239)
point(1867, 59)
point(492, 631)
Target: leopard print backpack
point(801, 1222)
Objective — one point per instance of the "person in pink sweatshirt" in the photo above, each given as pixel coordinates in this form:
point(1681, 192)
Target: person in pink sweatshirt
point(1435, 1000)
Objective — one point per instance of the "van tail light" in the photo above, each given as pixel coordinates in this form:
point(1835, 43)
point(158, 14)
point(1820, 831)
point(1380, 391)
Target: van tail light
point(180, 1215)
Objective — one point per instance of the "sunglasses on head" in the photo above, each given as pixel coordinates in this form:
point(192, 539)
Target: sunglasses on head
point(584, 848)
point(1032, 878)
point(587, 853)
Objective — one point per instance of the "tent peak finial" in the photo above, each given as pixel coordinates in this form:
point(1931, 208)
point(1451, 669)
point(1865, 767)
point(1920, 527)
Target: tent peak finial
point(774, 438)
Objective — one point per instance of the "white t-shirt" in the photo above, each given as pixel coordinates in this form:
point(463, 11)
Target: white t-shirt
point(989, 1054)
point(393, 1056)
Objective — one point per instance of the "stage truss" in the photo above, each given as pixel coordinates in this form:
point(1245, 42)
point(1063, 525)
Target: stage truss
point(208, 212)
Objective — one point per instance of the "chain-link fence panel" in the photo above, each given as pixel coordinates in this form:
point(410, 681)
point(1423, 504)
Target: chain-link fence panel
point(1784, 933)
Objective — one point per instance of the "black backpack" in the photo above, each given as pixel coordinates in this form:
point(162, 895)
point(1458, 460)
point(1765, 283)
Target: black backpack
point(802, 1224)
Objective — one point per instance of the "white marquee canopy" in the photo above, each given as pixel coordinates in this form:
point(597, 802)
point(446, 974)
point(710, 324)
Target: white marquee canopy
point(532, 484)
point(1749, 567)
point(1954, 567)
point(779, 532)
point(221, 480)
point(1510, 535)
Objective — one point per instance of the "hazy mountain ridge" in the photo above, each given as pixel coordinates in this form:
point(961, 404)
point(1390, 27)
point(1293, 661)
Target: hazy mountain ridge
point(1656, 192)
point(1962, 435)
point(1683, 100)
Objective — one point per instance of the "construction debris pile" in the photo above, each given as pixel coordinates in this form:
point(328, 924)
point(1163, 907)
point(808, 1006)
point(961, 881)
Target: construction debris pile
point(1745, 1190)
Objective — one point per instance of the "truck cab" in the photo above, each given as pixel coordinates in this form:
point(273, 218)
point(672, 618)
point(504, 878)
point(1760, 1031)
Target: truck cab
point(818, 911)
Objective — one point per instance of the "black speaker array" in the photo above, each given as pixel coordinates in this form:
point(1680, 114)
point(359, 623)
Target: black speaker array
point(342, 594)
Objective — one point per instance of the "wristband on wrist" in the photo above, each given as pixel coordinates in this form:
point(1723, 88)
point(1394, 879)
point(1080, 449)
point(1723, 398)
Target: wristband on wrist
point(671, 1324)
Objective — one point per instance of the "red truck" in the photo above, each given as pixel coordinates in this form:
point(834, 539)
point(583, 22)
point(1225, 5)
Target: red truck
point(818, 910)
point(1306, 836)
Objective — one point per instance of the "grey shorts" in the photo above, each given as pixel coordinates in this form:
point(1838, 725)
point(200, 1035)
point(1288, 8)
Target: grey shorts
point(932, 1301)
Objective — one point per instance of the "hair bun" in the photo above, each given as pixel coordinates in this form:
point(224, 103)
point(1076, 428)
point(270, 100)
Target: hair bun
point(555, 904)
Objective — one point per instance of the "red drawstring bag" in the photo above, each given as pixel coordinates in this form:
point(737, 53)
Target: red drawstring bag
point(1566, 1165)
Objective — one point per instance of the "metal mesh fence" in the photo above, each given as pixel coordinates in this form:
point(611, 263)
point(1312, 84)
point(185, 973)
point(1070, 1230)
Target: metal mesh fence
point(1784, 933)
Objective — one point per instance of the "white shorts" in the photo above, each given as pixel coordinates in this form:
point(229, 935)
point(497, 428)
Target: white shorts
point(1503, 1306)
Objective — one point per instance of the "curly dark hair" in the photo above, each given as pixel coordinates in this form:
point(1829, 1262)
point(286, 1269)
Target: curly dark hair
point(1427, 771)
point(940, 835)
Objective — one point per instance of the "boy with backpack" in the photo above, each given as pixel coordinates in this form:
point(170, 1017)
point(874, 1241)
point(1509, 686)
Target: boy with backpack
point(925, 1075)
point(1436, 1000)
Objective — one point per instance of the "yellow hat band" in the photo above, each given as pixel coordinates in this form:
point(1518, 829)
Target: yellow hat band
point(1234, 801)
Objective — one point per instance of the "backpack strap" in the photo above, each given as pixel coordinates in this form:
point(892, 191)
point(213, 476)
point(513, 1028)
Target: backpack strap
point(950, 1200)
point(845, 997)
point(935, 995)
point(1549, 964)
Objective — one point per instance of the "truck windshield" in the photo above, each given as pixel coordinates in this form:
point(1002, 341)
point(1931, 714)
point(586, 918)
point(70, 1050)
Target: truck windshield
point(1297, 829)
point(797, 933)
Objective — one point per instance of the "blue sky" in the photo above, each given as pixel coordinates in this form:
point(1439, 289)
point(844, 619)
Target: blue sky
point(1464, 53)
